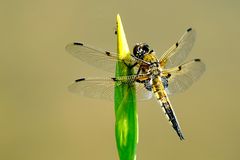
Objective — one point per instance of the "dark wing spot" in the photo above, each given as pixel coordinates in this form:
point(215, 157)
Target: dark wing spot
point(179, 68)
point(177, 44)
point(168, 76)
point(81, 79)
point(189, 29)
point(151, 51)
point(108, 53)
point(197, 60)
point(77, 43)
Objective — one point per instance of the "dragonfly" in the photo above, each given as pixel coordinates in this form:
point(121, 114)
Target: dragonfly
point(156, 75)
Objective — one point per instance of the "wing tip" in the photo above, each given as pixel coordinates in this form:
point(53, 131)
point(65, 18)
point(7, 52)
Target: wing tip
point(197, 60)
point(78, 43)
point(80, 79)
point(189, 29)
point(69, 46)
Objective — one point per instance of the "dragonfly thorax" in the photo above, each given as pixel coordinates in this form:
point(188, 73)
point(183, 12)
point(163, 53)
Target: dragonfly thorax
point(155, 72)
point(154, 69)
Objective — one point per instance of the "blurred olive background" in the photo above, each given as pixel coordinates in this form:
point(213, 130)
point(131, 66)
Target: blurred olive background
point(41, 120)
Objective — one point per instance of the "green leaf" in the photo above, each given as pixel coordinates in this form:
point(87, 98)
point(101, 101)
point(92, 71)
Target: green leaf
point(126, 124)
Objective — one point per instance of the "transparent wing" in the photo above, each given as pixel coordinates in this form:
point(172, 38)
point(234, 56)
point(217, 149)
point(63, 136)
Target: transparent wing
point(182, 77)
point(95, 57)
point(94, 88)
point(103, 88)
point(142, 93)
point(175, 55)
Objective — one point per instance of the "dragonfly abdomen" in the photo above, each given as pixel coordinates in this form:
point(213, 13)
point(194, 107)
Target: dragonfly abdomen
point(162, 98)
point(169, 112)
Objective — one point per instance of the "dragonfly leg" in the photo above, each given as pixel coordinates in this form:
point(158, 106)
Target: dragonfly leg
point(139, 69)
point(132, 65)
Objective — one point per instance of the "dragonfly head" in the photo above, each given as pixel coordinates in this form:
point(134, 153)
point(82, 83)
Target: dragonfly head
point(140, 49)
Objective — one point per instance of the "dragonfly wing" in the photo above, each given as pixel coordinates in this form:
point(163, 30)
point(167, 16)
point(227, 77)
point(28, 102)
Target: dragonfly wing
point(103, 88)
point(176, 54)
point(96, 57)
point(182, 77)
point(94, 88)
point(142, 93)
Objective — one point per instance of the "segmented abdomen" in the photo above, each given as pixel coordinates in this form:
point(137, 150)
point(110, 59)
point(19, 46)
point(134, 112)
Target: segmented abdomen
point(163, 99)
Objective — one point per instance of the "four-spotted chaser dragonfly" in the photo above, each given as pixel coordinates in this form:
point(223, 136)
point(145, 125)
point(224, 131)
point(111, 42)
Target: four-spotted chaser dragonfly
point(161, 77)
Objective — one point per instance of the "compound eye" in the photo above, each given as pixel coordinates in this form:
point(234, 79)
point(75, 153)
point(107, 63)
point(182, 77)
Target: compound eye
point(140, 50)
point(145, 48)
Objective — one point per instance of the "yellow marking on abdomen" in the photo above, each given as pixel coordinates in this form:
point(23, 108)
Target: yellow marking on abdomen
point(161, 95)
